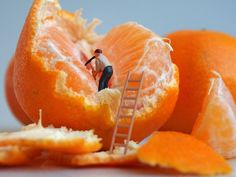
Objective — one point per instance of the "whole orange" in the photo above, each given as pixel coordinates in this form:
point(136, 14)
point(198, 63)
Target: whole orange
point(197, 53)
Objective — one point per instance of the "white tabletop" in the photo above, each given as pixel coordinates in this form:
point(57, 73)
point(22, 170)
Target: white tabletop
point(52, 171)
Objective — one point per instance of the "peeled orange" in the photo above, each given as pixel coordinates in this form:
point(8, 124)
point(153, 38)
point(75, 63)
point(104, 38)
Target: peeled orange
point(99, 158)
point(11, 97)
point(49, 72)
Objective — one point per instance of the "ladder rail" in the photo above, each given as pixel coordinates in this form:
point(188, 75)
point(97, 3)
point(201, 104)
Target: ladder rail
point(118, 114)
point(133, 117)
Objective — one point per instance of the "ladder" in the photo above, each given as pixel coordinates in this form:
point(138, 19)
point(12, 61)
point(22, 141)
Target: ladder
point(126, 136)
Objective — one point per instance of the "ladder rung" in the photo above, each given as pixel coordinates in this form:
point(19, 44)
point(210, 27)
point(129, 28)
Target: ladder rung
point(121, 135)
point(133, 80)
point(132, 88)
point(123, 126)
point(128, 107)
point(117, 144)
point(130, 98)
point(127, 116)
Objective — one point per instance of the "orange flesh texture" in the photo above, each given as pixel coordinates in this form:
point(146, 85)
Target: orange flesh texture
point(114, 47)
point(183, 153)
point(11, 98)
point(216, 123)
point(63, 55)
point(56, 80)
point(196, 53)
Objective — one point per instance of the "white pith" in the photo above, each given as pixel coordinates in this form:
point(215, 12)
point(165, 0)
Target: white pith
point(36, 132)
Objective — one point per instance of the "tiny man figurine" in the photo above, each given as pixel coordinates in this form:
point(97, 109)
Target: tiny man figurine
point(102, 65)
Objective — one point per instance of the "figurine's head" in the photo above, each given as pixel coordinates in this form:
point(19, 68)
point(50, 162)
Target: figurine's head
point(97, 52)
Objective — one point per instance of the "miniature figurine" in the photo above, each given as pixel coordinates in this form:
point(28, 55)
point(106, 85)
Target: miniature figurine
point(102, 65)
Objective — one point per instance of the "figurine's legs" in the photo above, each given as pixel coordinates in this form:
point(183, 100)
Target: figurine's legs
point(106, 75)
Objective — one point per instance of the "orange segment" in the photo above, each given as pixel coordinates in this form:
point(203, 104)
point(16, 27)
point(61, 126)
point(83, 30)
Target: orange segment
point(51, 74)
point(216, 123)
point(14, 155)
point(54, 139)
point(11, 97)
point(139, 49)
point(183, 153)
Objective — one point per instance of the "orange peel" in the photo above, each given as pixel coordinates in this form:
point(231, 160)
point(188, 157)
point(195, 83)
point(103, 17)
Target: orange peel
point(53, 139)
point(183, 153)
point(103, 158)
point(15, 155)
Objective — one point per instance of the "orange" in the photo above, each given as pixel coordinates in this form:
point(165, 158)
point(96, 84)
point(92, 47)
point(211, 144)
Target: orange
point(183, 153)
point(216, 123)
point(49, 72)
point(196, 53)
point(11, 98)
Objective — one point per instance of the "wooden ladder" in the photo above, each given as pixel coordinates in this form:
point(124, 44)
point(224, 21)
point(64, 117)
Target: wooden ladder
point(129, 127)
